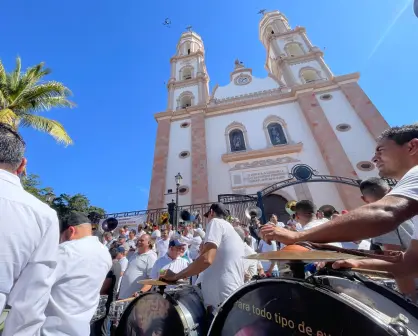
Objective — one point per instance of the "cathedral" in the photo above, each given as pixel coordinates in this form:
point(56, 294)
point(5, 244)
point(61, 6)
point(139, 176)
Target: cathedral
point(247, 135)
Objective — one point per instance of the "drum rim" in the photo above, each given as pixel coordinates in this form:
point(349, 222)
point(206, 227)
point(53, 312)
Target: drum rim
point(354, 304)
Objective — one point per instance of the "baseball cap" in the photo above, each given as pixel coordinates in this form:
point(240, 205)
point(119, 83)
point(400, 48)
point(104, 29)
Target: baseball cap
point(122, 237)
point(73, 219)
point(121, 249)
point(176, 243)
point(218, 208)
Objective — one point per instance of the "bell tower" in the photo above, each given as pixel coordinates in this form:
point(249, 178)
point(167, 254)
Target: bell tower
point(189, 81)
point(291, 56)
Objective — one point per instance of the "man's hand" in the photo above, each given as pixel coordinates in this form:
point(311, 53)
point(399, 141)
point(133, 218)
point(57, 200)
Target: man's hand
point(168, 276)
point(349, 263)
point(270, 232)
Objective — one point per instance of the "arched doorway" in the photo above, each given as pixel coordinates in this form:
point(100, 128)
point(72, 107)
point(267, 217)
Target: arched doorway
point(275, 204)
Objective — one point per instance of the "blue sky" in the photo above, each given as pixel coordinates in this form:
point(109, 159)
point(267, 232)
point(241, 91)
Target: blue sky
point(114, 56)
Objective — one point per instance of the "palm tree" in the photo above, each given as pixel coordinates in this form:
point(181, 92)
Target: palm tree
point(24, 95)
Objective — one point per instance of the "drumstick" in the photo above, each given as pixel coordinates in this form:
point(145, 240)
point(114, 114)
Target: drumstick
point(125, 300)
point(381, 274)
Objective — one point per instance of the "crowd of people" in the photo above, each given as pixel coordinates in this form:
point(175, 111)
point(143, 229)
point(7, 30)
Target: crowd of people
point(52, 287)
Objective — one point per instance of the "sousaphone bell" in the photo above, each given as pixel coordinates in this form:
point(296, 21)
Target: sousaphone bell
point(253, 212)
point(109, 224)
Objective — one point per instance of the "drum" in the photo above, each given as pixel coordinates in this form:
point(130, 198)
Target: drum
point(330, 306)
point(178, 311)
point(100, 310)
point(117, 308)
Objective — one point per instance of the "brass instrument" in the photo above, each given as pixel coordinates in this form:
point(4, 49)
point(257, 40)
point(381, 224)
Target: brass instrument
point(253, 212)
point(109, 224)
point(164, 219)
point(290, 207)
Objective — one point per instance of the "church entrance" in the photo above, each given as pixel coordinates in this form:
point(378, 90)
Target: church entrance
point(275, 204)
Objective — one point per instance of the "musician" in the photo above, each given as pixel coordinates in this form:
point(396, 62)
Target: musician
point(162, 244)
point(83, 263)
point(139, 268)
point(396, 157)
point(220, 259)
point(29, 233)
point(251, 267)
point(172, 260)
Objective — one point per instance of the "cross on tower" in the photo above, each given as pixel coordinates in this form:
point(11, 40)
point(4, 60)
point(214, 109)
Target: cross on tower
point(262, 12)
point(189, 28)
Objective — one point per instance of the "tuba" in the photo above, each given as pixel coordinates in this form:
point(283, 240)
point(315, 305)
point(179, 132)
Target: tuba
point(290, 207)
point(109, 224)
point(253, 212)
point(186, 216)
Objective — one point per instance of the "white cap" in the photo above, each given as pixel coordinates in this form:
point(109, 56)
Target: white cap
point(200, 232)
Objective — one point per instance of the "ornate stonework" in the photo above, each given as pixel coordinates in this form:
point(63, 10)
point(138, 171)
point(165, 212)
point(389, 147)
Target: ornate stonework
point(243, 79)
point(263, 163)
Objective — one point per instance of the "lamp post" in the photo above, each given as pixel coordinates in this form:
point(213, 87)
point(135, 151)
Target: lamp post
point(178, 179)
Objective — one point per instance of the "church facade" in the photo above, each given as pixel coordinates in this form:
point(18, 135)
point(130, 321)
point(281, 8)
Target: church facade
point(247, 135)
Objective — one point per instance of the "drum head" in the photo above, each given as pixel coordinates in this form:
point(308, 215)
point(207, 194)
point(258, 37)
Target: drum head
point(290, 307)
point(150, 315)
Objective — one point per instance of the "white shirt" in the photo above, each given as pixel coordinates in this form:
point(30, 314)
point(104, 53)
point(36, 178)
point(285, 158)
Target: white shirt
point(363, 245)
point(408, 187)
point(253, 242)
point(82, 267)
point(194, 247)
point(226, 273)
point(139, 268)
point(123, 264)
point(29, 237)
point(162, 247)
point(165, 262)
point(264, 247)
point(318, 222)
point(156, 234)
point(250, 266)
point(140, 233)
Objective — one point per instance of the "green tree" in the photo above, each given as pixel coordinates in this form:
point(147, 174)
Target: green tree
point(32, 184)
point(24, 95)
point(62, 204)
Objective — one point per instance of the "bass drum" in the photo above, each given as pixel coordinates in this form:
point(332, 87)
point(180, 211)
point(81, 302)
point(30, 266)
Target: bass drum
point(296, 307)
point(178, 311)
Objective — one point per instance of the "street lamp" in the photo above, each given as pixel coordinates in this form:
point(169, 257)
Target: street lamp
point(178, 179)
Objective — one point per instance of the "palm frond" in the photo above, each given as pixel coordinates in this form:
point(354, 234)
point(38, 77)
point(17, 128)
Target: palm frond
point(3, 100)
point(7, 116)
point(52, 127)
point(15, 75)
point(3, 75)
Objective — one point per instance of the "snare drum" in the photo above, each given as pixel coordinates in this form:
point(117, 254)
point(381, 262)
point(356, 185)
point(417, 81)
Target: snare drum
point(331, 306)
point(117, 308)
point(177, 311)
point(100, 310)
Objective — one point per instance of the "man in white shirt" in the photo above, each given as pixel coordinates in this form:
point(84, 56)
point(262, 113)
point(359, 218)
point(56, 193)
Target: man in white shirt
point(306, 216)
point(108, 240)
point(221, 255)
point(139, 268)
point(162, 244)
point(83, 263)
point(26, 265)
point(396, 157)
point(172, 260)
point(140, 231)
point(270, 268)
point(123, 261)
point(251, 267)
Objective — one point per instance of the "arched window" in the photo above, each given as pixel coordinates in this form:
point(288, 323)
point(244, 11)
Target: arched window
point(270, 30)
point(275, 129)
point(188, 48)
point(309, 75)
point(186, 73)
point(276, 134)
point(294, 49)
point(185, 100)
point(236, 140)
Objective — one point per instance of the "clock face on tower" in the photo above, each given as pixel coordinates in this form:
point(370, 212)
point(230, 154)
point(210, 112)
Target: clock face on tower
point(243, 80)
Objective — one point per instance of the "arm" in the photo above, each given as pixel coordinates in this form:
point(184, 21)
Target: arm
point(28, 306)
point(407, 265)
point(205, 259)
point(107, 284)
point(370, 220)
